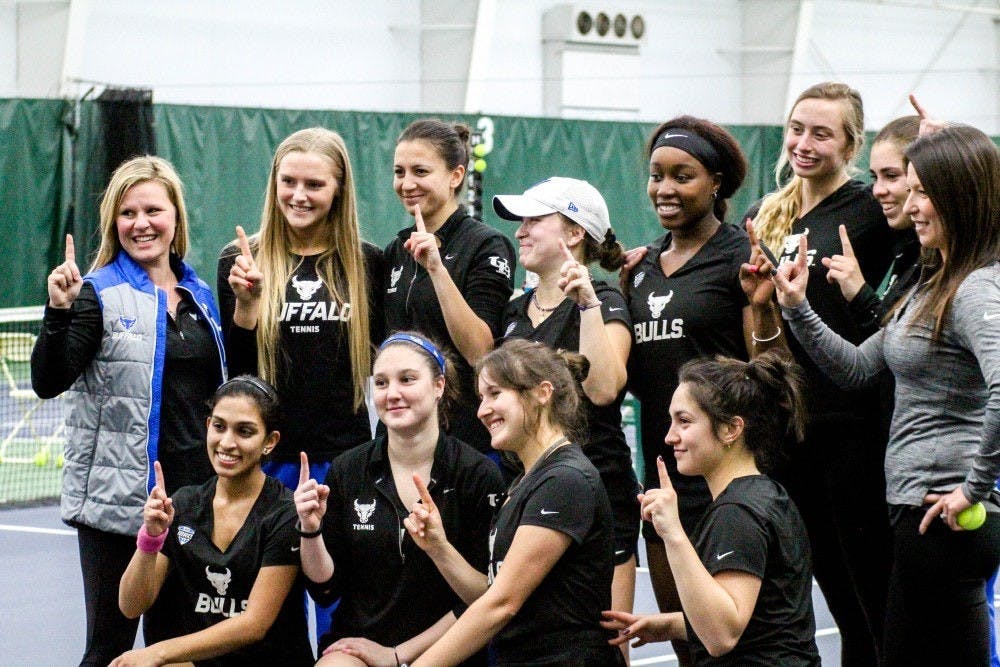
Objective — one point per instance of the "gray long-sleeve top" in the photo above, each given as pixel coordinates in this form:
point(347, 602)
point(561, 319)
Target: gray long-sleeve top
point(946, 425)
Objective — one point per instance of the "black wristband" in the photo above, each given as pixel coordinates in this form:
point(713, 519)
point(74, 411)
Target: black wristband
point(302, 533)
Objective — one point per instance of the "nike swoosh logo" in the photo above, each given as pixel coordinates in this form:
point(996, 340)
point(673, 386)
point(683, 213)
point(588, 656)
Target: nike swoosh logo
point(671, 136)
point(721, 556)
point(614, 310)
point(295, 548)
point(449, 257)
point(447, 491)
point(619, 552)
point(547, 512)
point(990, 316)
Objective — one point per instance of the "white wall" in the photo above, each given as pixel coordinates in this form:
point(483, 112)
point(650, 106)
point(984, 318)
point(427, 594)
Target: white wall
point(367, 54)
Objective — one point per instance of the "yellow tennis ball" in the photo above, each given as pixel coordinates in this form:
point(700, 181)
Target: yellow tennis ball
point(972, 517)
point(479, 150)
point(479, 165)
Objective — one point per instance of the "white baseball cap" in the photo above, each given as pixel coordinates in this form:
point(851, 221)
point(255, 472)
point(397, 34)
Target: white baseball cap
point(577, 200)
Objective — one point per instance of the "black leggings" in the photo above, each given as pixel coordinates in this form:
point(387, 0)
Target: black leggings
point(837, 480)
point(937, 612)
point(103, 559)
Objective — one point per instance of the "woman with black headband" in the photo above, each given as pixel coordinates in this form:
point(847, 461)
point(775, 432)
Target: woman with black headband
point(399, 530)
point(686, 301)
point(225, 551)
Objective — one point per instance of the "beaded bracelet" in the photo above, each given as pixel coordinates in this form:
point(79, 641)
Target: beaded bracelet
point(582, 308)
point(148, 544)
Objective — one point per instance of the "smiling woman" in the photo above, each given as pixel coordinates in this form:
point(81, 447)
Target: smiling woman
point(403, 518)
point(224, 552)
point(143, 327)
point(449, 275)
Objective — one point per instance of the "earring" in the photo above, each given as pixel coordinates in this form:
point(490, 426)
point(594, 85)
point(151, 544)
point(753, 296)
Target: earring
point(715, 194)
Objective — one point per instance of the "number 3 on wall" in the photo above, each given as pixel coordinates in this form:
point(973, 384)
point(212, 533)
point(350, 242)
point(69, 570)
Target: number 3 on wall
point(485, 127)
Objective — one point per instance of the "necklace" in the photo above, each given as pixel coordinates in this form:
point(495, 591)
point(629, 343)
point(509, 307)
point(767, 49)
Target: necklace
point(534, 300)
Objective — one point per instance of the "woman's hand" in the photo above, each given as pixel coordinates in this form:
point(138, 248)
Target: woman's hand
point(792, 278)
point(372, 653)
point(632, 259)
point(245, 279)
point(643, 628)
point(756, 275)
point(422, 244)
point(65, 281)
point(143, 657)
point(844, 269)
point(310, 498)
point(424, 522)
point(574, 279)
point(659, 506)
point(158, 513)
point(928, 125)
point(946, 507)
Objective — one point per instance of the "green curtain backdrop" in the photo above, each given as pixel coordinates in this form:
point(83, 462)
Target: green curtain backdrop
point(51, 157)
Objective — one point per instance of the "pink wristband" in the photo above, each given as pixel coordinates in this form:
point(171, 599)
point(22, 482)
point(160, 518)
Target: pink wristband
point(148, 544)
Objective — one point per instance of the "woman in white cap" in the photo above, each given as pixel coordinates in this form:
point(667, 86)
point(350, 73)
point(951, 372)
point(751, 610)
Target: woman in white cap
point(565, 227)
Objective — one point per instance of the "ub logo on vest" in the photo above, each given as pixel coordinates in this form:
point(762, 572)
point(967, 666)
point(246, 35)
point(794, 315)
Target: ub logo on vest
point(364, 511)
point(122, 329)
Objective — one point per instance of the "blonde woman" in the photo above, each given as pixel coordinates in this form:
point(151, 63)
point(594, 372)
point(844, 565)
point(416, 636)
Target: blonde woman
point(299, 302)
point(844, 443)
point(137, 339)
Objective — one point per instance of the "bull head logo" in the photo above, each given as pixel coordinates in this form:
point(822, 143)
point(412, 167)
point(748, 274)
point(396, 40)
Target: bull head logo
point(306, 288)
point(365, 510)
point(658, 303)
point(220, 580)
point(791, 246)
point(394, 275)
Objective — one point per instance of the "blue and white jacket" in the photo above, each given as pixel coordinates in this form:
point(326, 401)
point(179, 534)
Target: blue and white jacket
point(113, 421)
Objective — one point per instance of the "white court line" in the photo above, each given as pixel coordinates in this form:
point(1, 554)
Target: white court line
point(33, 529)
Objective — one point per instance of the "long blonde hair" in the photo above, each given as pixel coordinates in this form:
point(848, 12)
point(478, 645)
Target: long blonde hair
point(780, 209)
point(341, 262)
point(133, 172)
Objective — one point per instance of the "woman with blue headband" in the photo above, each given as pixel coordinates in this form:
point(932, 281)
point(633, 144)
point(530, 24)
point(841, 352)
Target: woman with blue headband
point(399, 530)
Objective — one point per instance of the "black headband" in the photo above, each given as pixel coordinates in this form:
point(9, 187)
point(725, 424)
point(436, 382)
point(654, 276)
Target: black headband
point(254, 382)
point(693, 145)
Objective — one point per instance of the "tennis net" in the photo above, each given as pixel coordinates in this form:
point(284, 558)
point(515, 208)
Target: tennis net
point(31, 430)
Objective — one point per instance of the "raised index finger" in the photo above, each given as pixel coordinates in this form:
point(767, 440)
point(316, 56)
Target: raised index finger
point(303, 468)
point(425, 495)
point(70, 255)
point(916, 107)
point(751, 233)
point(566, 251)
point(158, 475)
point(845, 241)
point(418, 219)
point(244, 244)
point(661, 469)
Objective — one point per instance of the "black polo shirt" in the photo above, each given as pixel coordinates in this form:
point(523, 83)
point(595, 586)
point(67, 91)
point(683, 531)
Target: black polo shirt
point(390, 589)
point(480, 261)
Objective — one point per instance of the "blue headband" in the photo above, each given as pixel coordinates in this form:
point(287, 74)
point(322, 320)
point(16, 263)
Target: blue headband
point(692, 144)
point(423, 343)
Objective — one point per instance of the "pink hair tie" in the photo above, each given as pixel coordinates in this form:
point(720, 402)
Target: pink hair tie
point(148, 544)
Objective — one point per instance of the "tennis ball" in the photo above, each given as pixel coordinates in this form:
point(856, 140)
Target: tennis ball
point(479, 150)
point(972, 517)
point(41, 458)
point(479, 165)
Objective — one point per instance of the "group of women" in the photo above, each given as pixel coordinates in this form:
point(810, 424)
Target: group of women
point(774, 467)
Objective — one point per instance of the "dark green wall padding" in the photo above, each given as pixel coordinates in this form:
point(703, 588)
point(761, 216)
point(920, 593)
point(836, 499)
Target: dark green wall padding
point(223, 155)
